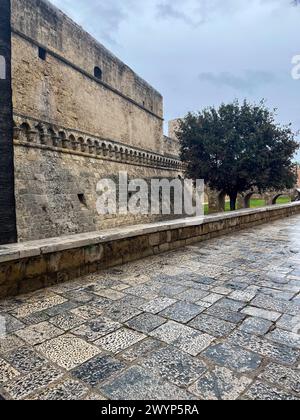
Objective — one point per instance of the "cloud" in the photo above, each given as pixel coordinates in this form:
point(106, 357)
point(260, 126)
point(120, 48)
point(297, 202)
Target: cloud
point(248, 82)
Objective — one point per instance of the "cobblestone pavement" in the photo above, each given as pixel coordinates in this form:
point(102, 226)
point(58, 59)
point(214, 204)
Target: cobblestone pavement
point(219, 320)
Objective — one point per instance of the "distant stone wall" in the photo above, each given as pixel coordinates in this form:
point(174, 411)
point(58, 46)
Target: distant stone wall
point(54, 79)
point(34, 265)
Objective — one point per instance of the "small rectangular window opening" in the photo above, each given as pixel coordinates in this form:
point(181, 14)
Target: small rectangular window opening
point(42, 53)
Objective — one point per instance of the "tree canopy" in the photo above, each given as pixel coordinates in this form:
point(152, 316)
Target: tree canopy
point(238, 147)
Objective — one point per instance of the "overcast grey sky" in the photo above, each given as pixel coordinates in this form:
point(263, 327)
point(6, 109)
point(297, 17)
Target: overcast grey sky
point(202, 52)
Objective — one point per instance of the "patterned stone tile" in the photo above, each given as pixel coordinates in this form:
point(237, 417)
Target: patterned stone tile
point(182, 312)
point(35, 381)
point(93, 396)
point(131, 300)
point(87, 312)
point(37, 305)
point(10, 343)
point(141, 349)
point(93, 330)
point(120, 313)
point(243, 295)
point(157, 305)
point(256, 326)
point(261, 313)
point(12, 324)
point(62, 308)
point(79, 296)
point(194, 343)
point(230, 304)
point(67, 321)
point(171, 291)
point(220, 384)
point(263, 392)
point(225, 314)
point(171, 331)
point(98, 370)
point(25, 359)
point(192, 295)
point(7, 372)
point(119, 340)
point(212, 298)
point(212, 326)
point(143, 291)
point(68, 351)
point(138, 383)
point(37, 334)
point(276, 305)
point(276, 352)
point(146, 323)
point(36, 318)
point(235, 358)
point(110, 294)
point(287, 338)
point(67, 390)
point(175, 366)
point(282, 376)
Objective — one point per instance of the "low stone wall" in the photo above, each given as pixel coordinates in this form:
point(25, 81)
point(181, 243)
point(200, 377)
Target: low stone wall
point(33, 265)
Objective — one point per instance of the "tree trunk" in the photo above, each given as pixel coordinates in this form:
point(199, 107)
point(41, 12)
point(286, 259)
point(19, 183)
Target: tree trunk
point(233, 198)
point(8, 231)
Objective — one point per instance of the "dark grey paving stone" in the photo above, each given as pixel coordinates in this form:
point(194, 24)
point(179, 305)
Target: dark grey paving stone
point(192, 295)
point(93, 330)
point(25, 359)
point(36, 318)
point(139, 384)
point(220, 384)
point(182, 312)
point(35, 381)
point(286, 338)
point(67, 321)
point(141, 350)
point(289, 323)
point(131, 300)
point(263, 392)
point(68, 390)
point(98, 370)
point(60, 309)
point(175, 366)
point(231, 304)
point(204, 280)
point(225, 314)
point(235, 358)
point(276, 352)
point(276, 305)
point(285, 377)
point(79, 296)
point(146, 322)
point(212, 326)
point(256, 326)
point(171, 290)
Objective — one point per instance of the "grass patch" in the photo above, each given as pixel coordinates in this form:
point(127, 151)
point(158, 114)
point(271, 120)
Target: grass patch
point(254, 203)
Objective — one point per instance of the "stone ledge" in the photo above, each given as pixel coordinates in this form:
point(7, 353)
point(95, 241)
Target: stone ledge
point(31, 265)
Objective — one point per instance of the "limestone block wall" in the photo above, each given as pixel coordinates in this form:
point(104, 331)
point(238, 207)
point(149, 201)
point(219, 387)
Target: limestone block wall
point(56, 180)
point(54, 80)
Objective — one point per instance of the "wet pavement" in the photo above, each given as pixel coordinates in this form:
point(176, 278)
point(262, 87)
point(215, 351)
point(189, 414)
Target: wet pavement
point(219, 320)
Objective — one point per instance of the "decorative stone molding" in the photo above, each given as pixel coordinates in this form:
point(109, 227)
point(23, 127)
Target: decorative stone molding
point(35, 133)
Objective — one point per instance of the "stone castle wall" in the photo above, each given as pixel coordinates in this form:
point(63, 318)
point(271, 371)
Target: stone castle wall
point(73, 127)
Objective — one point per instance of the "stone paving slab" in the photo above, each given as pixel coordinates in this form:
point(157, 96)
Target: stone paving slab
point(213, 321)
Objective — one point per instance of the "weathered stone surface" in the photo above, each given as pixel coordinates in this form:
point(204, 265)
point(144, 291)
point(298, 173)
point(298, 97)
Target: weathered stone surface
point(213, 326)
point(37, 334)
point(282, 376)
point(93, 330)
point(262, 313)
point(157, 305)
point(146, 323)
point(68, 351)
point(139, 384)
point(67, 390)
point(119, 340)
point(7, 372)
point(98, 370)
point(257, 326)
point(182, 312)
point(25, 359)
point(220, 384)
point(171, 331)
point(141, 349)
point(284, 337)
point(263, 392)
point(233, 357)
point(175, 366)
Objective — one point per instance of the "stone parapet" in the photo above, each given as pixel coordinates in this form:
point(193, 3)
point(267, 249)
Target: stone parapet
point(33, 265)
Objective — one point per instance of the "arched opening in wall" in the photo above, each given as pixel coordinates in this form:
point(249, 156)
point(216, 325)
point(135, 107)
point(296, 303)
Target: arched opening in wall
point(281, 199)
point(254, 200)
point(24, 135)
point(98, 73)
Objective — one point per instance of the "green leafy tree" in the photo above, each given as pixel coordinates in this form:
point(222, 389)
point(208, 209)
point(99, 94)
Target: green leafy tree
point(238, 147)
